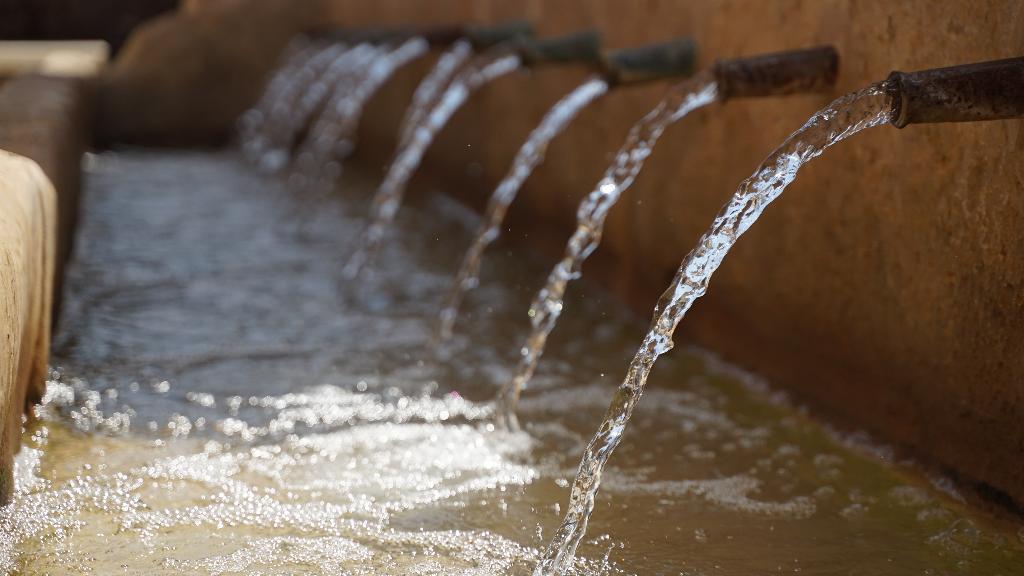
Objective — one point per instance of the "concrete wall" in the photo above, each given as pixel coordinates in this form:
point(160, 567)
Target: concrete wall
point(886, 287)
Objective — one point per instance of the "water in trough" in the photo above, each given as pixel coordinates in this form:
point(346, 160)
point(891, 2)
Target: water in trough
point(223, 402)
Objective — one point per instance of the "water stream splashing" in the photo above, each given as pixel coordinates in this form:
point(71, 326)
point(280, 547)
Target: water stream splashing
point(530, 155)
point(430, 88)
point(252, 121)
point(344, 71)
point(840, 120)
point(332, 136)
point(262, 147)
point(682, 99)
point(477, 73)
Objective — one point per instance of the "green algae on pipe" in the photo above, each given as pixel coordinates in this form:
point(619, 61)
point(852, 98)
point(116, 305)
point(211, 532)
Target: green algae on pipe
point(651, 62)
point(991, 90)
point(777, 74)
point(582, 47)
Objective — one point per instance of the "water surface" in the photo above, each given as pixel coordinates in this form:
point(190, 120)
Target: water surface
point(224, 402)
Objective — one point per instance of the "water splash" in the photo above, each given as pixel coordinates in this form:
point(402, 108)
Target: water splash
point(530, 155)
point(332, 136)
point(477, 73)
point(682, 99)
point(840, 120)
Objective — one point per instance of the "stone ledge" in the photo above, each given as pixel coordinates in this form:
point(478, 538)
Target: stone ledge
point(49, 119)
point(28, 221)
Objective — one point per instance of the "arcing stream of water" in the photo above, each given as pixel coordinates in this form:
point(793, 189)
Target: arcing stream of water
point(432, 85)
point(252, 121)
point(279, 117)
point(480, 71)
point(344, 71)
point(529, 156)
point(332, 136)
point(689, 95)
point(840, 120)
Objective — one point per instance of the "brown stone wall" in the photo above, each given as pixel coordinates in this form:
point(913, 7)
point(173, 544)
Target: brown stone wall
point(184, 77)
point(886, 287)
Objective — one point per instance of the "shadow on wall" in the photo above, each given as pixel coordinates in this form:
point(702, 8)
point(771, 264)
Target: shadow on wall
point(183, 78)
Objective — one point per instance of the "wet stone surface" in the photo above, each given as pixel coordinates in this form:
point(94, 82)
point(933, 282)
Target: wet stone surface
point(223, 402)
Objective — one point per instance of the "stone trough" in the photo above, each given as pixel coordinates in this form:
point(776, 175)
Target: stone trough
point(886, 292)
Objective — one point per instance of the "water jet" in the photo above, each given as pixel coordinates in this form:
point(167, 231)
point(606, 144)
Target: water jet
point(984, 91)
point(782, 73)
point(423, 126)
point(623, 67)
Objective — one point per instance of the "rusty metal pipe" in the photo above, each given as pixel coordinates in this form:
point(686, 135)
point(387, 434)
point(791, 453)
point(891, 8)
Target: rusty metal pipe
point(483, 37)
point(442, 35)
point(779, 73)
point(968, 93)
point(651, 62)
point(355, 35)
point(584, 47)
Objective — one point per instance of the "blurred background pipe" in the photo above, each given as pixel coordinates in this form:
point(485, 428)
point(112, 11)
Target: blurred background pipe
point(651, 62)
point(484, 37)
point(778, 73)
point(579, 47)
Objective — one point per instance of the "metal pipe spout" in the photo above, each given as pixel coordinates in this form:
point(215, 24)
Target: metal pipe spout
point(967, 93)
point(776, 74)
point(583, 47)
point(442, 34)
point(484, 37)
point(374, 35)
point(651, 62)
